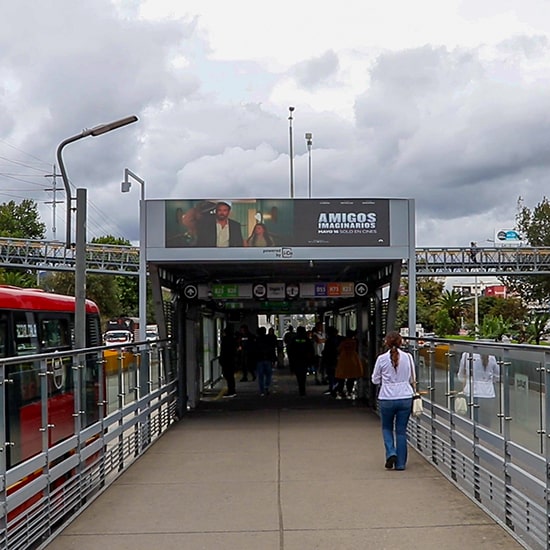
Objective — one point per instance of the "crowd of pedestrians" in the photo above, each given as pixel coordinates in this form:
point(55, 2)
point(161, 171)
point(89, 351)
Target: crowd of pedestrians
point(334, 360)
point(327, 357)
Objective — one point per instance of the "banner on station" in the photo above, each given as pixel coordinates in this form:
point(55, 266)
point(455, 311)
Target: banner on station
point(281, 224)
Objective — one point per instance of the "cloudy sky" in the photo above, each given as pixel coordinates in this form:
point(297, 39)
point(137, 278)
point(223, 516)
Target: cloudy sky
point(444, 101)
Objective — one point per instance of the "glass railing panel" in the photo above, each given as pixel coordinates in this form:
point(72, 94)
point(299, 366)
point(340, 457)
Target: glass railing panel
point(525, 383)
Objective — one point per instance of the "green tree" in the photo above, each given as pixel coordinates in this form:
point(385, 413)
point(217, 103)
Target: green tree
point(534, 226)
point(453, 302)
point(512, 310)
point(536, 327)
point(444, 326)
point(17, 277)
point(428, 293)
point(101, 289)
point(494, 327)
point(127, 288)
point(21, 221)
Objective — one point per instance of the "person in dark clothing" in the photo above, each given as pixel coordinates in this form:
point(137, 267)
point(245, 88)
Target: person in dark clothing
point(329, 359)
point(219, 229)
point(274, 344)
point(245, 348)
point(301, 355)
point(473, 252)
point(264, 349)
point(349, 367)
point(287, 341)
point(228, 359)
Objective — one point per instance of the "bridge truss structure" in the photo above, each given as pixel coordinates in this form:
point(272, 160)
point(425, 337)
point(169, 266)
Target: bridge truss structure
point(43, 255)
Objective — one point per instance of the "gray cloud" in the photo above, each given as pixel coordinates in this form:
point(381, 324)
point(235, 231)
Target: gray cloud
point(462, 131)
point(318, 71)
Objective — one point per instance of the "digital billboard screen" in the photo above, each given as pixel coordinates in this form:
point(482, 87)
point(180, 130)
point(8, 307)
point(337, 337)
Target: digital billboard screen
point(273, 223)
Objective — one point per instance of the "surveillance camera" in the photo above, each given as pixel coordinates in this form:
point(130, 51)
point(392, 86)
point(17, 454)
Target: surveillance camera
point(291, 109)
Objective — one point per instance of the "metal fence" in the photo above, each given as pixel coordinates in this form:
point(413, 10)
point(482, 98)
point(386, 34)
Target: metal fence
point(70, 424)
point(497, 450)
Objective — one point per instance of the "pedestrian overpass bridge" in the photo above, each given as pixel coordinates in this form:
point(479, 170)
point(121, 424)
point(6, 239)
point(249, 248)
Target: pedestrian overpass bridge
point(45, 255)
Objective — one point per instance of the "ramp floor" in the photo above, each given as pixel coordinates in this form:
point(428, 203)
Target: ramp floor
point(279, 472)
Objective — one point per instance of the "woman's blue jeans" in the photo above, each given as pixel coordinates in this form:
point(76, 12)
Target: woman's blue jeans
point(395, 415)
point(264, 370)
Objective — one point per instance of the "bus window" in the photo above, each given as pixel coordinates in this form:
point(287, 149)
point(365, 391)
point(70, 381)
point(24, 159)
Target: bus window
point(26, 342)
point(3, 338)
point(55, 333)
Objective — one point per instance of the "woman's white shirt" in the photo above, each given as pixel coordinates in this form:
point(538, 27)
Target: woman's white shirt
point(395, 383)
point(484, 376)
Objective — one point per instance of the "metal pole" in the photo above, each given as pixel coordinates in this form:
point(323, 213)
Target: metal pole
point(80, 270)
point(290, 119)
point(142, 267)
point(54, 202)
point(126, 184)
point(95, 131)
point(68, 195)
point(80, 251)
point(476, 309)
point(309, 142)
point(412, 267)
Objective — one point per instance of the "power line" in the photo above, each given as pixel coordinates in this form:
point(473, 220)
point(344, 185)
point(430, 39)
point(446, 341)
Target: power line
point(21, 151)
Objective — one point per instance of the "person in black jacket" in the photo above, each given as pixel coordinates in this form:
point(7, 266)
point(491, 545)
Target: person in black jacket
point(245, 348)
point(228, 359)
point(218, 229)
point(264, 349)
point(301, 355)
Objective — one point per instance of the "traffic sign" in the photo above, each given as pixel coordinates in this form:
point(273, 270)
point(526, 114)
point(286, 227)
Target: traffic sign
point(361, 289)
point(292, 290)
point(259, 291)
point(191, 292)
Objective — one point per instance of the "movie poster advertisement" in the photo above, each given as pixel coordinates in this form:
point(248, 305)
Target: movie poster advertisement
point(272, 223)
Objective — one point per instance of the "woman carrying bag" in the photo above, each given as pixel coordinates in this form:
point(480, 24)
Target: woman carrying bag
point(394, 372)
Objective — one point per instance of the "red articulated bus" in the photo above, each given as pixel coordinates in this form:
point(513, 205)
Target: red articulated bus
point(31, 322)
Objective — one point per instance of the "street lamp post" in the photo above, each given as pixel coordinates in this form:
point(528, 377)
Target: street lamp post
point(291, 147)
point(80, 251)
point(309, 143)
point(476, 309)
point(125, 188)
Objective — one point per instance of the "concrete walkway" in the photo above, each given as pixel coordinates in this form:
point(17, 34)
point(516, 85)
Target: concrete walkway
point(279, 473)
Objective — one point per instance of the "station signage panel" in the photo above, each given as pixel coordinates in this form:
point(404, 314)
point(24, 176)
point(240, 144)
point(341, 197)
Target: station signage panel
point(220, 291)
point(277, 291)
point(324, 290)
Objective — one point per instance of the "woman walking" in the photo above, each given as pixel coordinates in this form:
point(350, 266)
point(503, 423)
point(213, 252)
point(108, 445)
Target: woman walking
point(394, 372)
point(349, 367)
point(228, 359)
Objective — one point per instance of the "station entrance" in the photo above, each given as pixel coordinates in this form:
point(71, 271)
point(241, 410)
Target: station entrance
point(337, 261)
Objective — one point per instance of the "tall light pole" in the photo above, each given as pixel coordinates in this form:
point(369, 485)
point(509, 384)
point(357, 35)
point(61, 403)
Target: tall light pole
point(125, 188)
point(476, 308)
point(290, 119)
point(309, 143)
point(80, 251)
